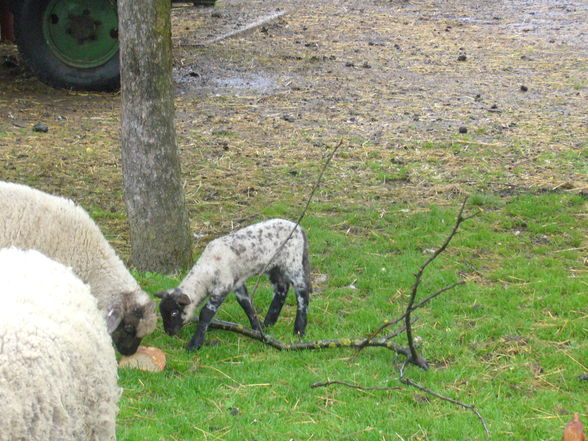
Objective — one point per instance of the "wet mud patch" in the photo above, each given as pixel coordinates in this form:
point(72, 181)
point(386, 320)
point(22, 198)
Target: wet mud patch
point(551, 21)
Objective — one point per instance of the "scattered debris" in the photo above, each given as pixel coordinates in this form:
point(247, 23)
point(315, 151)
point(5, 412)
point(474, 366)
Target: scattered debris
point(41, 127)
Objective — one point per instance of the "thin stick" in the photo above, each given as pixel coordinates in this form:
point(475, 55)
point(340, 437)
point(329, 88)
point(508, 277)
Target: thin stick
point(314, 189)
point(355, 386)
point(471, 407)
point(310, 196)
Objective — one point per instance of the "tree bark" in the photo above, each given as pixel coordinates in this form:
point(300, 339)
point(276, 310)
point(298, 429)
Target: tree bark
point(158, 220)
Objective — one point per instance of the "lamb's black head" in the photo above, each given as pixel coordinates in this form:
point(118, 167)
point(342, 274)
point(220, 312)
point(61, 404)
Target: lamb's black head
point(172, 307)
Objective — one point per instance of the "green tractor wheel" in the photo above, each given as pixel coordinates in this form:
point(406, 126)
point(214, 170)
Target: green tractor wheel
point(70, 44)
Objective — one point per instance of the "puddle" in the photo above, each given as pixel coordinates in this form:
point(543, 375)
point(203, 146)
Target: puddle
point(190, 82)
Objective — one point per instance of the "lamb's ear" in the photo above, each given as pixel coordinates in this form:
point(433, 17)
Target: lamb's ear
point(183, 300)
point(160, 294)
point(113, 319)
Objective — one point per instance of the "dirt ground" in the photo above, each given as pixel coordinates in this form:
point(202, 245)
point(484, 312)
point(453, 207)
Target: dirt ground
point(433, 99)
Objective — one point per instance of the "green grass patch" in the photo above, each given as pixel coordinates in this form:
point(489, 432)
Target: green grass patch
point(512, 341)
point(98, 214)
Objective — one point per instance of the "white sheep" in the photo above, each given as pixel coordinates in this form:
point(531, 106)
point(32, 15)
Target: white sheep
point(63, 231)
point(224, 266)
point(58, 372)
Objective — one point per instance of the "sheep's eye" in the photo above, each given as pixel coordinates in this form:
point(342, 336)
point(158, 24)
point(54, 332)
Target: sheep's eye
point(174, 314)
point(129, 329)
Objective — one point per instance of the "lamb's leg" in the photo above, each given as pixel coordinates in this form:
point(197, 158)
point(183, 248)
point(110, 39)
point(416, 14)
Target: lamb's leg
point(206, 315)
point(302, 299)
point(245, 302)
point(280, 292)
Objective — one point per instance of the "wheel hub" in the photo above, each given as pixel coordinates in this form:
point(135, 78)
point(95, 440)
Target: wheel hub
point(81, 33)
point(83, 28)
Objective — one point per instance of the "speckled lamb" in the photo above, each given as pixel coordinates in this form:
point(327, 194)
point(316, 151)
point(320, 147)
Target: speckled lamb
point(58, 372)
point(225, 265)
point(63, 231)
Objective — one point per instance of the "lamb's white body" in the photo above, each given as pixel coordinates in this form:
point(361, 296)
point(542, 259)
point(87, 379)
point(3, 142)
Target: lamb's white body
point(63, 231)
point(227, 262)
point(58, 372)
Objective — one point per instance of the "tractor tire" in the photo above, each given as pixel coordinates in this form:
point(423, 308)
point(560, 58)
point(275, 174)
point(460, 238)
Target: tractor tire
point(70, 44)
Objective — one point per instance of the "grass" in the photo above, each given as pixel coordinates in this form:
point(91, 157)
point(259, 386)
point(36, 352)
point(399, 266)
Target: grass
point(512, 341)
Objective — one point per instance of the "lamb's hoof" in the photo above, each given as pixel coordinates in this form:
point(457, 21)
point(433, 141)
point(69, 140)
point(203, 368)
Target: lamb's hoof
point(269, 324)
point(193, 346)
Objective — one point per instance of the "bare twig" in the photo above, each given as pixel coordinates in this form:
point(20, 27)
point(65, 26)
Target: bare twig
point(355, 386)
point(318, 344)
point(471, 407)
point(415, 357)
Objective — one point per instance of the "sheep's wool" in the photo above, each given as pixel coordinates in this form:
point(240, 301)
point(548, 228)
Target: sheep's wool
point(63, 231)
point(58, 372)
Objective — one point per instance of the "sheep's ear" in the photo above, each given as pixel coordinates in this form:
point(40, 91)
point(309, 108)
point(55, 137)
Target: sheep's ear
point(183, 300)
point(160, 294)
point(113, 319)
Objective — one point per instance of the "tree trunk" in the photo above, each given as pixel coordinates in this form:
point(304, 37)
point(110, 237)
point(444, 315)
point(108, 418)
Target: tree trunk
point(159, 227)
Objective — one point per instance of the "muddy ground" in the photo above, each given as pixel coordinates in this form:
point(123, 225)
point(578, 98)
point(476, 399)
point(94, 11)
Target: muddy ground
point(432, 99)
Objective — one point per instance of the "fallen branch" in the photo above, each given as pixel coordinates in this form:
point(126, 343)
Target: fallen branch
point(422, 388)
point(413, 356)
point(302, 345)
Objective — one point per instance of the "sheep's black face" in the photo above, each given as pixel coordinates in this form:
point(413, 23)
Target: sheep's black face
point(125, 338)
point(125, 334)
point(171, 310)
